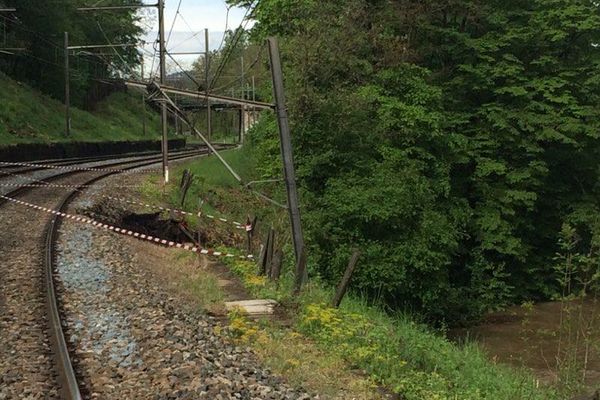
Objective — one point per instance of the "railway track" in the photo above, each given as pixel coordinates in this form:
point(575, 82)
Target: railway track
point(8, 169)
point(35, 358)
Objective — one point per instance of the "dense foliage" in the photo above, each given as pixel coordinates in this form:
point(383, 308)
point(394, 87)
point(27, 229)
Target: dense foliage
point(39, 26)
point(448, 140)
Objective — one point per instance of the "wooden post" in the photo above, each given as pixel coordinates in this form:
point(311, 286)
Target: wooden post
point(300, 266)
point(343, 286)
point(250, 228)
point(262, 260)
point(270, 249)
point(276, 265)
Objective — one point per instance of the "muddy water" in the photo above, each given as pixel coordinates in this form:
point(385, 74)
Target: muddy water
point(534, 337)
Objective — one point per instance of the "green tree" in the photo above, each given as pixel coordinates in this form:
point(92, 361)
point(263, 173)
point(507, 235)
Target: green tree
point(448, 139)
point(39, 27)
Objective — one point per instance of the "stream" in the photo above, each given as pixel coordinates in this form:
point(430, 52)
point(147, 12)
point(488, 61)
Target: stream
point(541, 336)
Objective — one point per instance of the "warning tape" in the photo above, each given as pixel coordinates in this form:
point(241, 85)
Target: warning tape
point(238, 225)
point(51, 185)
point(127, 232)
point(42, 183)
point(71, 168)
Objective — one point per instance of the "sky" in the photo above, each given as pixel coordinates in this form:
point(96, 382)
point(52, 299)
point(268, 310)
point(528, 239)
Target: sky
point(188, 32)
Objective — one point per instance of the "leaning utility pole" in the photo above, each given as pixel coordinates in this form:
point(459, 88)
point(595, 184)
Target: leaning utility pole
point(208, 84)
point(288, 161)
point(67, 89)
point(163, 78)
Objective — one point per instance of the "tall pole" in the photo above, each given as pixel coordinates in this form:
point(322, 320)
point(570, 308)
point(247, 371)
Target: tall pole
point(243, 78)
point(241, 125)
point(253, 99)
point(208, 84)
point(242, 108)
point(163, 78)
point(67, 88)
point(288, 161)
point(143, 104)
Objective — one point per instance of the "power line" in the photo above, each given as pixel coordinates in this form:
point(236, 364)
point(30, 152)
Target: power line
point(237, 36)
point(184, 71)
point(125, 64)
point(174, 20)
point(245, 72)
point(226, 28)
point(27, 53)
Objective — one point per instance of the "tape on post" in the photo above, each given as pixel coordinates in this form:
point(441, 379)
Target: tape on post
point(125, 232)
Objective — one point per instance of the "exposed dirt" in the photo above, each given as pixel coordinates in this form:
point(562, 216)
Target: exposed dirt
point(152, 224)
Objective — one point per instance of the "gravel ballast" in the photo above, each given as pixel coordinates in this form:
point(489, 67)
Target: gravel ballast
point(132, 338)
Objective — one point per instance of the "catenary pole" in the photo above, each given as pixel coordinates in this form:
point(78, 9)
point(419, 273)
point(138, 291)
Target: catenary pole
point(242, 108)
point(67, 88)
point(288, 161)
point(208, 84)
point(143, 104)
point(253, 99)
point(163, 78)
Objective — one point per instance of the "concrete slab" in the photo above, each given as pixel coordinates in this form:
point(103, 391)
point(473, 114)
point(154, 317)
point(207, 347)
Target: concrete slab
point(253, 307)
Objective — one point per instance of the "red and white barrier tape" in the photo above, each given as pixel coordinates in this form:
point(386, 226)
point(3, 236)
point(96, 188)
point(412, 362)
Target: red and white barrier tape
point(238, 225)
point(126, 232)
point(71, 168)
point(48, 184)
point(41, 183)
point(51, 185)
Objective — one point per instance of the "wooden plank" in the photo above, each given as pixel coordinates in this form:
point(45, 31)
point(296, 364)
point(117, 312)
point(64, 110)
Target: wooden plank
point(253, 307)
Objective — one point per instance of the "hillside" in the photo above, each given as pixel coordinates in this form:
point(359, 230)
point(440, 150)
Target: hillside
point(28, 116)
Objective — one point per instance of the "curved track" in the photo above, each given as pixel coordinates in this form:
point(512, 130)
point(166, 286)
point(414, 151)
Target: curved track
point(52, 348)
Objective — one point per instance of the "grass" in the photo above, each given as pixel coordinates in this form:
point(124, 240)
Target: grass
point(212, 172)
point(391, 351)
point(221, 193)
point(198, 283)
point(394, 351)
point(28, 116)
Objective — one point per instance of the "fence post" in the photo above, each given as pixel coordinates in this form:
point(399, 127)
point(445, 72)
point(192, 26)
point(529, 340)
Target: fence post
point(343, 286)
point(262, 260)
point(270, 248)
point(276, 265)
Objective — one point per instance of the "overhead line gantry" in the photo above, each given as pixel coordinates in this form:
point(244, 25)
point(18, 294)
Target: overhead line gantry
point(162, 67)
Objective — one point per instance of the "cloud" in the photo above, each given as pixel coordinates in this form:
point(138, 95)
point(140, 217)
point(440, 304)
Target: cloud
point(188, 31)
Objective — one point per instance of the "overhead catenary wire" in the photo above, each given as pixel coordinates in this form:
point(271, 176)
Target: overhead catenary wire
point(125, 64)
point(237, 36)
point(174, 21)
point(226, 29)
point(246, 71)
point(57, 47)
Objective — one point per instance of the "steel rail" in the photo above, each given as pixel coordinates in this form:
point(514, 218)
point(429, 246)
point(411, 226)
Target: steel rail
point(15, 169)
point(176, 156)
point(82, 160)
point(68, 381)
point(70, 385)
